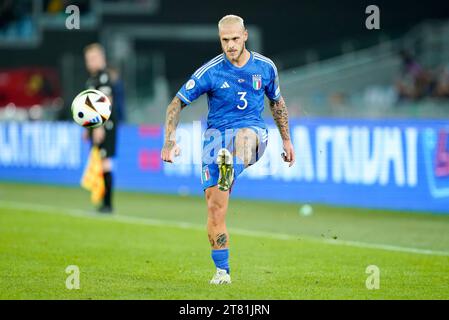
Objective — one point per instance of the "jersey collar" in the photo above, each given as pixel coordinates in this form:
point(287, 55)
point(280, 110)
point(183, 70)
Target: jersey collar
point(246, 65)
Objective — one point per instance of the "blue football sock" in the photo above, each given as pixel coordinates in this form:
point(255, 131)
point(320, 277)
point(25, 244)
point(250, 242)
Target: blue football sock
point(221, 258)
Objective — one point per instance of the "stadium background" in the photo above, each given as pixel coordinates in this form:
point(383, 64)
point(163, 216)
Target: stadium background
point(332, 68)
point(369, 124)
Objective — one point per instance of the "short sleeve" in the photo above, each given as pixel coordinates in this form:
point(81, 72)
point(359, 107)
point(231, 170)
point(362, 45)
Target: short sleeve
point(272, 89)
point(194, 88)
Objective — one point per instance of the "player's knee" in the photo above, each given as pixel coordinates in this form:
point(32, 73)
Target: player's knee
point(216, 212)
point(246, 145)
point(215, 207)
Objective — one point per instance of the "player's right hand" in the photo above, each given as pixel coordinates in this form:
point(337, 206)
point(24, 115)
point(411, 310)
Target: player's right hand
point(289, 153)
point(170, 150)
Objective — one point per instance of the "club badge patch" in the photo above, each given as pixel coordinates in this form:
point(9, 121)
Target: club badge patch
point(257, 81)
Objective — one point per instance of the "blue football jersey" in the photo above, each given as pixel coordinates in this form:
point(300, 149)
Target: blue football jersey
point(235, 95)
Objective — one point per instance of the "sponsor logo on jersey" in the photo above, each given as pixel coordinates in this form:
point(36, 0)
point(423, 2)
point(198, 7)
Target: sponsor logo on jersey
point(225, 85)
point(257, 81)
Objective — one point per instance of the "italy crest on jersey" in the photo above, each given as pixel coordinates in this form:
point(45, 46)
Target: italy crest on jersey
point(206, 174)
point(257, 81)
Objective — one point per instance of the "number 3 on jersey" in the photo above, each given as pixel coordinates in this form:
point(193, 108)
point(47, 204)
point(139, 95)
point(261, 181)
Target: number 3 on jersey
point(245, 102)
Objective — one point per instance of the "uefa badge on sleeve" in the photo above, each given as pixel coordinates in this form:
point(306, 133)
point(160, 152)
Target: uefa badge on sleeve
point(257, 81)
point(190, 84)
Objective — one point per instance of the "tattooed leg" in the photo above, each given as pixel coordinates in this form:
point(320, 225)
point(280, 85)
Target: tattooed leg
point(211, 240)
point(222, 240)
point(217, 205)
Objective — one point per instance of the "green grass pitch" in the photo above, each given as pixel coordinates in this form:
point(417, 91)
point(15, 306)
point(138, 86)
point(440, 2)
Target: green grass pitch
point(156, 247)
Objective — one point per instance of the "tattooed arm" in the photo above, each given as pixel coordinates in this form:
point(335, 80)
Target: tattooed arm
point(280, 116)
point(170, 148)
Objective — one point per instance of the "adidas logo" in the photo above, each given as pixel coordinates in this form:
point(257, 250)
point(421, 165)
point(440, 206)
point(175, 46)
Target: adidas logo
point(224, 85)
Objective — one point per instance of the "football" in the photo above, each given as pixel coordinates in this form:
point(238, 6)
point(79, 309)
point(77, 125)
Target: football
point(91, 108)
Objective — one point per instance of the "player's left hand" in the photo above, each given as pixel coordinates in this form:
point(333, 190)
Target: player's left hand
point(98, 135)
point(169, 151)
point(289, 154)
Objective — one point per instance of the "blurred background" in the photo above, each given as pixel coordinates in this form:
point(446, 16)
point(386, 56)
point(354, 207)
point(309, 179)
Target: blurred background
point(332, 68)
point(369, 113)
point(330, 64)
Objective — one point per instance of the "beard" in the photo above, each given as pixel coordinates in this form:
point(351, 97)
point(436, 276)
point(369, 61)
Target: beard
point(239, 54)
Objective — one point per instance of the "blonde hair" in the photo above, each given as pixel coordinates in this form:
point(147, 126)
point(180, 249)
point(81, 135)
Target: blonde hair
point(230, 18)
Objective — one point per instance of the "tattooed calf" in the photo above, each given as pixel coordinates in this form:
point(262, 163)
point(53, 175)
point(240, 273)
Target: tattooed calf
point(222, 240)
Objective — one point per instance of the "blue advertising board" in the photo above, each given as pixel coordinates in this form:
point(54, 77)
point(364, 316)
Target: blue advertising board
point(389, 164)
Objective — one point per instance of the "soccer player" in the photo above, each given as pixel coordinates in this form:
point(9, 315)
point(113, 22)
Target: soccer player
point(104, 136)
point(235, 83)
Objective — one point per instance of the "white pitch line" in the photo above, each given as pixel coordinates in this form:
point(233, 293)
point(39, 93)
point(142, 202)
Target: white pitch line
point(187, 225)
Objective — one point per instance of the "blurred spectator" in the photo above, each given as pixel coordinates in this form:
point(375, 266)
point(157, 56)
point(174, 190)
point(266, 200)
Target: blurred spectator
point(414, 81)
point(55, 7)
point(28, 86)
point(16, 19)
point(7, 14)
point(442, 83)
